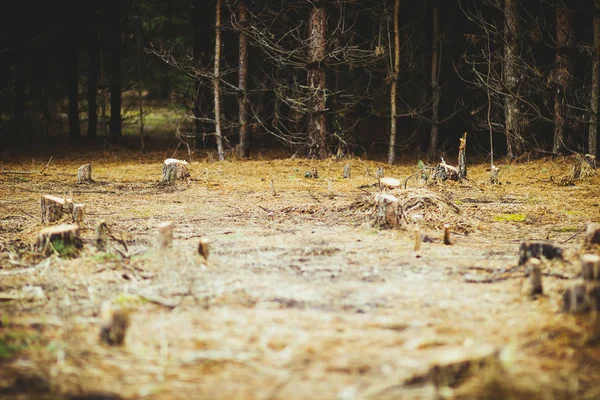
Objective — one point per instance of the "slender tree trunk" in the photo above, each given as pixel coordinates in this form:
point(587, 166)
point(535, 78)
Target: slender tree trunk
point(395, 71)
point(216, 82)
point(512, 116)
point(93, 76)
point(595, 90)
point(72, 77)
point(115, 86)
point(317, 129)
point(562, 76)
point(139, 85)
point(435, 87)
point(202, 30)
point(242, 85)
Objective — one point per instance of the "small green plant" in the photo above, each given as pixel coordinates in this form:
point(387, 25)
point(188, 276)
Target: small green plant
point(12, 343)
point(128, 300)
point(64, 250)
point(105, 257)
point(510, 218)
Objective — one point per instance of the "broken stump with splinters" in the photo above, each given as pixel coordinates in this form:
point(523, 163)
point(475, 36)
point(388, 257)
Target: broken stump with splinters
point(101, 235)
point(78, 213)
point(52, 208)
point(165, 235)
point(68, 234)
point(204, 248)
point(84, 174)
point(174, 170)
point(590, 267)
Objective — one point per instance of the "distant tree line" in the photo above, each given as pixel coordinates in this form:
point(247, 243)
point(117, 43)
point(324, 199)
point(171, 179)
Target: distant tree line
point(325, 77)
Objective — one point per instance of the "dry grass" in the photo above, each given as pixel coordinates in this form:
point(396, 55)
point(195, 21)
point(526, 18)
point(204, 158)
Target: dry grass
point(301, 296)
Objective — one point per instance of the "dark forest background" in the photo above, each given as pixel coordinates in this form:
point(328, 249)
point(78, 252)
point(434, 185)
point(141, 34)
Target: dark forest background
point(321, 77)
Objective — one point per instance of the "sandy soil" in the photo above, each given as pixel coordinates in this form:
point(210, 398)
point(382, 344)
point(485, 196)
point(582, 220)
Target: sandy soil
point(301, 296)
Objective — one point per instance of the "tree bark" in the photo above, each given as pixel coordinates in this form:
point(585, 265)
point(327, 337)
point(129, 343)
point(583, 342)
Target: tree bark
point(216, 82)
point(562, 76)
point(595, 90)
point(317, 129)
point(115, 86)
point(435, 87)
point(93, 76)
point(242, 84)
point(395, 71)
point(512, 116)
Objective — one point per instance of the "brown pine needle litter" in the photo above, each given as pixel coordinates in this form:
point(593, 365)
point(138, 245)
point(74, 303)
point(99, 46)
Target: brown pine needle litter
point(316, 292)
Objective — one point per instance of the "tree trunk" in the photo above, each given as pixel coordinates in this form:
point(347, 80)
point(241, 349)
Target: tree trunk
point(72, 77)
point(242, 76)
point(317, 129)
point(595, 90)
point(202, 30)
point(139, 85)
point(392, 150)
point(216, 83)
point(435, 87)
point(562, 76)
point(512, 116)
point(115, 85)
point(93, 76)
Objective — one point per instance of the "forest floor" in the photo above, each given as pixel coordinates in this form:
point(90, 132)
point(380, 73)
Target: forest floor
point(301, 296)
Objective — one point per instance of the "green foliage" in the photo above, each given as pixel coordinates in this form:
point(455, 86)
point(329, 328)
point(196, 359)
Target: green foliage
point(12, 343)
point(510, 218)
point(421, 164)
point(64, 250)
point(105, 257)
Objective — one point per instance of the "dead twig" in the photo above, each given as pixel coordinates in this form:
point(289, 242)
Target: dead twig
point(46, 167)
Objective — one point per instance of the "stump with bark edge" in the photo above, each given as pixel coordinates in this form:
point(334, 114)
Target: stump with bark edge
point(84, 174)
point(52, 208)
point(165, 235)
point(78, 213)
point(174, 170)
point(68, 234)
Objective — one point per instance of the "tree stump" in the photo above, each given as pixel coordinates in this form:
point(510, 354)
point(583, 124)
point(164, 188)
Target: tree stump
point(462, 157)
point(174, 170)
point(590, 267)
point(52, 208)
point(78, 213)
point(387, 212)
point(592, 234)
point(84, 174)
point(114, 325)
point(165, 235)
point(581, 298)
point(68, 234)
point(101, 235)
point(347, 171)
point(538, 250)
point(204, 248)
point(533, 285)
point(494, 179)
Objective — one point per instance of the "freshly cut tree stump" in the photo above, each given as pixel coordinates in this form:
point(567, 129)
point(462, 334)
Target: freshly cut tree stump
point(592, 234)
point(581, 298)
point(347, 173)
point(165, 235)
point(204, 248)
point(52, 208)
point(388, 212)
point(67, 233)
point(78, 213)
point(590, 267)
point(174, 170)
point(494, 179)
point(101, 235)
point(84, 174)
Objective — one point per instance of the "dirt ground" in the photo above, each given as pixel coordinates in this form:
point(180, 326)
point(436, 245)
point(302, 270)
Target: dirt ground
point(301, 296)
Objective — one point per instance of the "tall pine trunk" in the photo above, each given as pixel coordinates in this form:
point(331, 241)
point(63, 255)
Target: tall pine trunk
point(562, 77)
point(512, 116)
point(435, 87)
point(595, 90)
point(242, 84)
point(72, 76)
point(394, 87)
point(317, 129)
point(216, 82)
point(115, 85)
point(93, 76)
